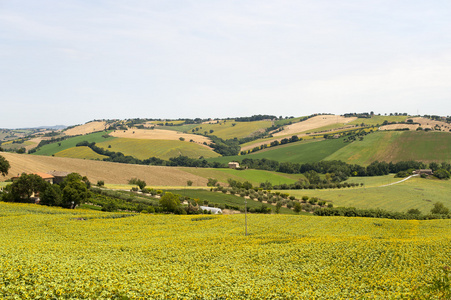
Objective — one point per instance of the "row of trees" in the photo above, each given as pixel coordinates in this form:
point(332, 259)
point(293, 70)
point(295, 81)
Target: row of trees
point(439, 211)
point(341, 170)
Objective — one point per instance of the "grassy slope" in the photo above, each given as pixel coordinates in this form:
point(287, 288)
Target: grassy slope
point(424, 146)
point(373, 147)
point(253, 176)
point(72, 142)
point(226, 130)
point(397, 146)
point(375, 120)
point(414, 193)
point(221, 198)
point(80, 152)
point(163, 149)
point(299, 152)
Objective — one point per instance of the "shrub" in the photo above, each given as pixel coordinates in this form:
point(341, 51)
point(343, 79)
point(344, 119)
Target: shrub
point(100, 183)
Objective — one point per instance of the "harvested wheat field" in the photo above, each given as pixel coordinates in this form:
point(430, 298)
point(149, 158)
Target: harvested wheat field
point(86, 128)
point(313, 123)
point(100, 170)
point(399, 126)
point(428, 123)
point(159, 134)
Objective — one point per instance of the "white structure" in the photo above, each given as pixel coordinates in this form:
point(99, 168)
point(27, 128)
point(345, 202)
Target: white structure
point(213, 210)
point(234, 165)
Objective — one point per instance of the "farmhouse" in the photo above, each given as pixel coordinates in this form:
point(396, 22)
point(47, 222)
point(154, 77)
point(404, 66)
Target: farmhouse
point(59, 176)
point(423, 171)
point(234, 165)
point(47, 177)
point(51, 177)
point(213, 210)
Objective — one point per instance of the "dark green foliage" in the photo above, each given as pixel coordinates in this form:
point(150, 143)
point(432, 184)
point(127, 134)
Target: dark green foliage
point(52, 196)
point(442, 174)
point(414, 211)
point(140, 183)
point(212, 182)
point(100, 183)
point(4, 166)
point(439, 209)
point(255, 118)
point(24, 187)
point(169, 202)
point(75, 191)
point(225, 147)
point(402, 174)
point(375, 213)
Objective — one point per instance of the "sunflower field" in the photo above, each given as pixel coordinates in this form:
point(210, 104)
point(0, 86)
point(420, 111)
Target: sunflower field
point(51, 253)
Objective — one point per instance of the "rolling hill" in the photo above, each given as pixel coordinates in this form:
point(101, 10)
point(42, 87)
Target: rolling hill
point(395, 146)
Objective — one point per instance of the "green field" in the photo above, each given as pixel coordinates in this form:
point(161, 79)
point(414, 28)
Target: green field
point(164, 149)
point(414, 193)
point(222, 199)
point(225, 130)
point(181, 128)
point(80, 152)
point(397, 146)
point(54, 148)
point(300, 152)
point(253, 176)
point(288, 121)
point(378, 120)
point(50, 253)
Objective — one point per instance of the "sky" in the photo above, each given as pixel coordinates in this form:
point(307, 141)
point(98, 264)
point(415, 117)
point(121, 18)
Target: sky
point(69, 62)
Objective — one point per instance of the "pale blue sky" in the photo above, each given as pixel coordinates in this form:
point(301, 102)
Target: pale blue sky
point(68, 62)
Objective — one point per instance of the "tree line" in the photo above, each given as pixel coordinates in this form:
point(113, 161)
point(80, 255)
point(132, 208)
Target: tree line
point(439, 211)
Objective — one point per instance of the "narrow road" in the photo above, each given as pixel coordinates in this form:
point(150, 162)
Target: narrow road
point(399, 181)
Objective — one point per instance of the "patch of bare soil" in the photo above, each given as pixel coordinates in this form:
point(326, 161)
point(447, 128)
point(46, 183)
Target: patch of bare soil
point(86, 128)
point(100, 170)
point(313, 123)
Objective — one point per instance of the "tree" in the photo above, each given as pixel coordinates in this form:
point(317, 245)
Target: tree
point(4, 166)
point(297, 207)
point(439, 209)
point(414, 211)
point(212, 182)
point(52, 195)
point(75, 191)
point(169, 202)
point(189, 183)
point(442, 174)
point(25, 186)
point(141, 183)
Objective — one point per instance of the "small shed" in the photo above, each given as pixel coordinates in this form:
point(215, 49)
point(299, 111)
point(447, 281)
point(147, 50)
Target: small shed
point(213, 210)
point(59, 176)
point(234, 165)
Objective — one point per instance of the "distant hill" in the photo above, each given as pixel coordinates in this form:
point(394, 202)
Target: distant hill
point(325, 137)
